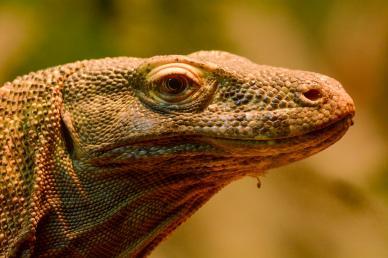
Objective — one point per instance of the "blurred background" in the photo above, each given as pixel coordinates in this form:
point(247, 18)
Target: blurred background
point(334, 204)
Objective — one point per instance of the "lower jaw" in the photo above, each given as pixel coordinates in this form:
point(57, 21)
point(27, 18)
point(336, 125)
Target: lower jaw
point(314, 139)
point(224, 147)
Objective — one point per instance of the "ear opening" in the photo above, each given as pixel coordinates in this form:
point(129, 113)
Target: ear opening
point(67, 139)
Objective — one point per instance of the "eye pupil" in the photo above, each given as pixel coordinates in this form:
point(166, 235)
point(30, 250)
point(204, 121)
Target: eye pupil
point(175, 85)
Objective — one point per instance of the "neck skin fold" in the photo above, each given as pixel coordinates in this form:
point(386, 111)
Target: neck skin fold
point(105, 212)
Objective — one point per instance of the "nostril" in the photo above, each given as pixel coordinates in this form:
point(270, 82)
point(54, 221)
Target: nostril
point(313, 94)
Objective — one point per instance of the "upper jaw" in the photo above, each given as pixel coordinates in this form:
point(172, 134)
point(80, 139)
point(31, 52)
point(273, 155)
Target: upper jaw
point(194, 145)
point(320, 138)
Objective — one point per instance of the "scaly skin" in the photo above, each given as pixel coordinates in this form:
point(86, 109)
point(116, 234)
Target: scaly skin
point(105, 158)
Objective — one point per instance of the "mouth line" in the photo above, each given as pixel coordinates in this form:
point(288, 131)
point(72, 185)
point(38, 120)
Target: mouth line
point(344, 122)
point(170, 145)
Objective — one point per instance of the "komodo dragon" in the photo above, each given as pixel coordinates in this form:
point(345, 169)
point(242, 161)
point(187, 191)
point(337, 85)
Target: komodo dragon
point(105, 158)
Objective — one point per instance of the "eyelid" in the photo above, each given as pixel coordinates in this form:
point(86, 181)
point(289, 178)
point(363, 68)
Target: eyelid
point(162, 71)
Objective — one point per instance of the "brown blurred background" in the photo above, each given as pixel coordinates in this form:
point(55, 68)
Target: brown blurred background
point(334, 204)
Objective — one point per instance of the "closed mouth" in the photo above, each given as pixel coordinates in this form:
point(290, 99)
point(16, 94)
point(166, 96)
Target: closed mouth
point(317, 140)
point(202, 145)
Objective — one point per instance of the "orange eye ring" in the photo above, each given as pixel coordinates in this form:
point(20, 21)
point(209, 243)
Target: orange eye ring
point(174, 83)
point(176, 88)
point(173, 88)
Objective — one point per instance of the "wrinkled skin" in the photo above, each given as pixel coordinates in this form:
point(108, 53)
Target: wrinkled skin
point(105, 158)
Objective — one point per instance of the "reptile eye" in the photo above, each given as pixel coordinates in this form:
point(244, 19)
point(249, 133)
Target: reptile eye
point(174, 85)
point(174, 88)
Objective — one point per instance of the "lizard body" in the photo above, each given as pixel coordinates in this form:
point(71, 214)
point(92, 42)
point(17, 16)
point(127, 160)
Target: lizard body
point(105, 158)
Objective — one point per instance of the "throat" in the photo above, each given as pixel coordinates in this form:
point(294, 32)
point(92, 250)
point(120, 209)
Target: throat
point(124, 213)
point(166, 212)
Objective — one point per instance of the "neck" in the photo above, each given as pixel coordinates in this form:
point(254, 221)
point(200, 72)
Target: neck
point(123, 213)
point(164, 210)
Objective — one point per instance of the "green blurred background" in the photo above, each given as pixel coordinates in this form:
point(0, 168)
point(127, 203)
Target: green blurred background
point(334, 204)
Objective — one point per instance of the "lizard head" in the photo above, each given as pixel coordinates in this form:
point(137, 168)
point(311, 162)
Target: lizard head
point(105, 158)
point(161, 135)
point(209, 105)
